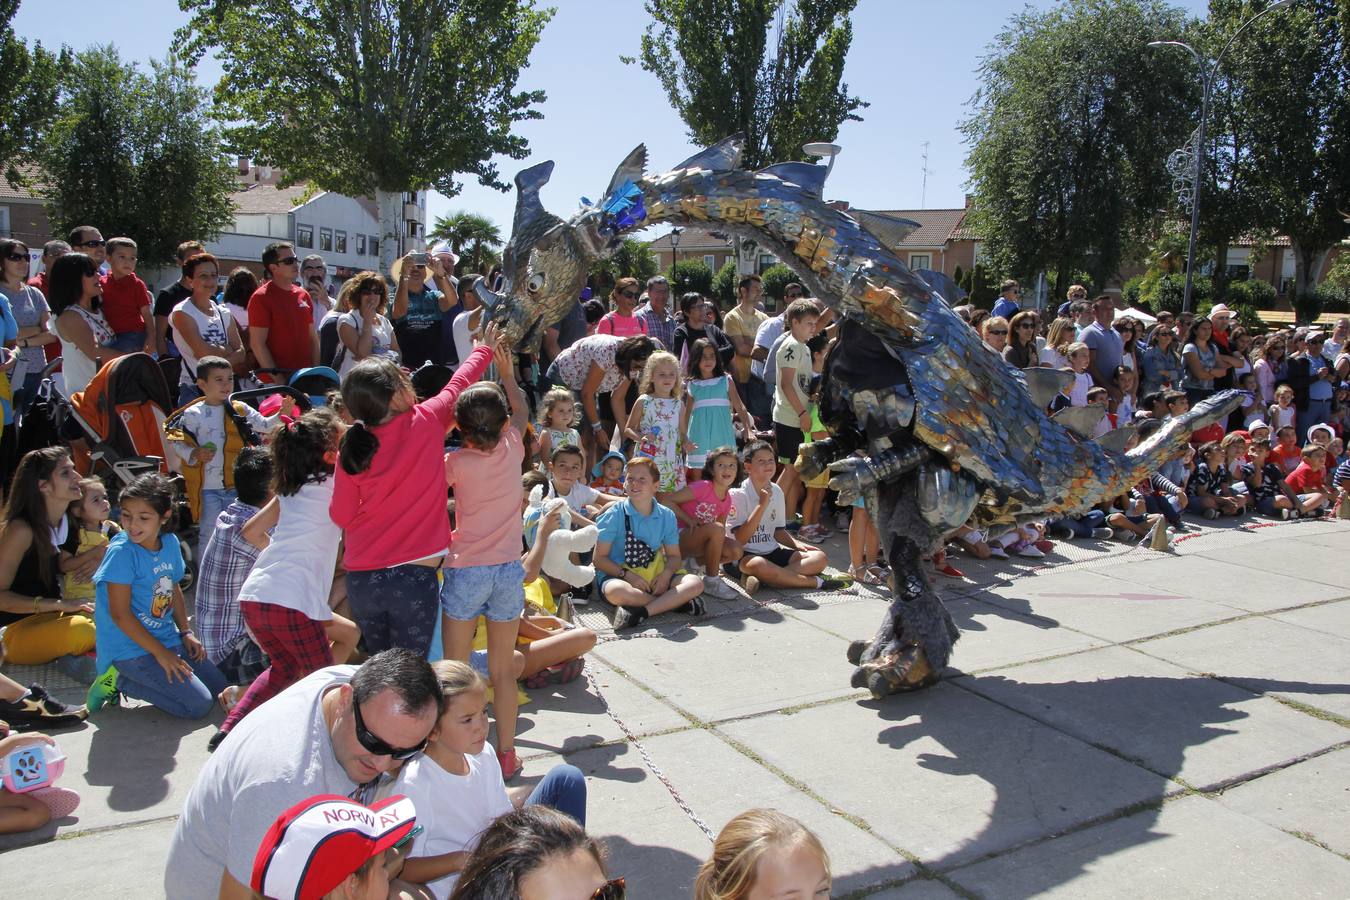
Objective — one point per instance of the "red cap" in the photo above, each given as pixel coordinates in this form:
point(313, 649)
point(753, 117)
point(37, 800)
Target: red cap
point(315, 844)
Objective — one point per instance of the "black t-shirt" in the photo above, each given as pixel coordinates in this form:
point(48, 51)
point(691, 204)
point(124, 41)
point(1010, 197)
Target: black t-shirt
point(167, 299)
point(685, 336)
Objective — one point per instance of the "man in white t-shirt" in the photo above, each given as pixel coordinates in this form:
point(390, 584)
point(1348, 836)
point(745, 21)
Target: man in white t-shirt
point(757, 521)
point(336, 731)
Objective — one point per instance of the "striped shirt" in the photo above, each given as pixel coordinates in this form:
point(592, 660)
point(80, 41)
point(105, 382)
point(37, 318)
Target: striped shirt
point(226, 562)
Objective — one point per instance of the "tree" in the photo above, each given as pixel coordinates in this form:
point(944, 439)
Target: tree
point(136, 155)
point(373, 98)
point(633, 259)
point(1291, 78)
point(1070, 131)
point(690, 275)
point(723, 76)
point(777, 277)
point(724, 283)
point(29, 101)
point(472, 236)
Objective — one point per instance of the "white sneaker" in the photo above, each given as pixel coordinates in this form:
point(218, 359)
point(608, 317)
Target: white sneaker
point(693, 566)
point(1103, 533)
point(997, 552)
point(714, 586)
point(1031, 552)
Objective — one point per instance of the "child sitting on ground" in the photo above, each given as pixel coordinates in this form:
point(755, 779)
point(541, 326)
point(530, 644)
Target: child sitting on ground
point(1309, 481)
point(608, 474)
point(1267, 488)
point(764, 853)
point(483, 574)
point(1286, 453)
point(637, 556)
point(758, 522)
point(145, 647)
point(565, 481)
point(89, 535)
point(701, 508)
point(206, 438)
point(1158, 492)
point(457, 788)
point(1209, 492)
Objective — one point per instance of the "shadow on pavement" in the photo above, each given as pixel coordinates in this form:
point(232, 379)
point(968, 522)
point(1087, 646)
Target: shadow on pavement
point(1112, 714)
point(136, 769)
point(656, 873)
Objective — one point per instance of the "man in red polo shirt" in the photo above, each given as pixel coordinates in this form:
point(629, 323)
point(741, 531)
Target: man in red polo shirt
point(281, 317)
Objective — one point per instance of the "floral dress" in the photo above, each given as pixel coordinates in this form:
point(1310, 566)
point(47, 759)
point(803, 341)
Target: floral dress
point(660, 430)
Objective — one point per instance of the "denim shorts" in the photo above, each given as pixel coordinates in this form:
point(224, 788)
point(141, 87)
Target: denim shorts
point(497, 592)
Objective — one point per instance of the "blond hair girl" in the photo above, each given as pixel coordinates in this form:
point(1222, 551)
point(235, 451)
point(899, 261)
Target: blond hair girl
point(764, 846)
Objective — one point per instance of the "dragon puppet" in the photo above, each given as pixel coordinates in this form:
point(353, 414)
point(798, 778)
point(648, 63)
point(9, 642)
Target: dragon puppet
point(928, 424)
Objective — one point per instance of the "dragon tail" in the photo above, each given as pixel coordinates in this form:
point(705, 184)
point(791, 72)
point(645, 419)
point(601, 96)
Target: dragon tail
point(1138, 464)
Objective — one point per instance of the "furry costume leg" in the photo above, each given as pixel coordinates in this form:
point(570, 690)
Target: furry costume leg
point(914, 643)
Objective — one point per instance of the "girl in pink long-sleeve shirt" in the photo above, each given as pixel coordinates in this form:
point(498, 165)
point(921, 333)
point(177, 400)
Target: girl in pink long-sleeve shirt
point(389, 498)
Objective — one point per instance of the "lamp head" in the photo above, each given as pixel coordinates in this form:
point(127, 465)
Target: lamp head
point(821, 148)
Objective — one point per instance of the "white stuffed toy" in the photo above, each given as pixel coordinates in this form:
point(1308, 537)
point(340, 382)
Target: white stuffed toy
point(563, 541)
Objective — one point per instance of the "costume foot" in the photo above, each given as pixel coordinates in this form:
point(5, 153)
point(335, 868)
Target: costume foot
point(855, 653)
point(895, 673)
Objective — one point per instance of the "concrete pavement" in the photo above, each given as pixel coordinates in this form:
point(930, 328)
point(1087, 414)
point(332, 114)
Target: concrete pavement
point(1121, 723)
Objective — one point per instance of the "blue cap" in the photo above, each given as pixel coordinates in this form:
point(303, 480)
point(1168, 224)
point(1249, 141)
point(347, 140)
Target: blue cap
point(613, 454)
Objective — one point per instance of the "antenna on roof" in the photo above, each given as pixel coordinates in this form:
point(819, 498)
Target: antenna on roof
point(923, 194)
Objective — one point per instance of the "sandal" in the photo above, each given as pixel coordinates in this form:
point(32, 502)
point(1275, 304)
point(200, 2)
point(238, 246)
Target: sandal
point(511, 767)
point(883, 574)
point(568, 671)
point(536, 681)
point(863, 575)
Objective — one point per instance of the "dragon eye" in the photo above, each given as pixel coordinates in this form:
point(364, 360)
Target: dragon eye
point(535, 283)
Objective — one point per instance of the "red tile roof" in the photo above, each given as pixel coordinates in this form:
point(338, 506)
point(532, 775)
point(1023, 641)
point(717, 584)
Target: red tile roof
point(935, 225)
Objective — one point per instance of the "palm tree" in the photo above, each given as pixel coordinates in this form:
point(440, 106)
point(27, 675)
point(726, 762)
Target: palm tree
point(471, 235)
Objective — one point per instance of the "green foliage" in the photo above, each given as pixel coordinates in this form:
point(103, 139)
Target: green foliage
point(373, 98)
point(136, 155)
point(776, 278)
point(1289, 91)
point(724, 284)
point(1131, 291)
point(690, 275)
point(473, 237)
point(1252, 292)
point(723, 74)
point(633, 259)
point(1166, 292)
point(1309, 305)
point(1070, 131)
point(1338, 276)
point(28, 102)
point(959, 277)
point(981, 288)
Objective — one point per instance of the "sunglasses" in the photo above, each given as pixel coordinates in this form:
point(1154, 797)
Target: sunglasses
point(375, 745)
point(288, 261)
point(611, 890)
point(98, 243)
point(998, 331)
point(17, 257)
point(1027, 325)
point(629, 294)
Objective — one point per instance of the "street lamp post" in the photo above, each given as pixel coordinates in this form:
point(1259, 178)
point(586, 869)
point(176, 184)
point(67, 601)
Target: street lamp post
point(1207, 74)
point(824, 149)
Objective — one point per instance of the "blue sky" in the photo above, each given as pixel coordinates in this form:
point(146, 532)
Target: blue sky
point(914, 61)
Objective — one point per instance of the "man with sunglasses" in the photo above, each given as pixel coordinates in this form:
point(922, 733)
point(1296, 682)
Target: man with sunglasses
point(337, 731)
point(281, 329)
point(89, 240)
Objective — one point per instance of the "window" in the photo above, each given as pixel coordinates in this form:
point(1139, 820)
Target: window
point(765, 260)
point(304, 236)
point(360, 245)
point(921, 260)
point(340, 242)
point(4, 220)
point(412, 228)
point(373, 245)
point(710, 261)
point(326, 239)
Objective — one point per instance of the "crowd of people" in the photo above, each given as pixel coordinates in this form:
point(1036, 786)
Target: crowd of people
point(372, 571)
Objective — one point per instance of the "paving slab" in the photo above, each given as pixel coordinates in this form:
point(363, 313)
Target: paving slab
point(1306, 562)
point(130, 765)
point(639, 710)
point(1242, 588)
point(1198, 730)
point(1311, 798)
point(649, 839)
point(737, 667)
point(1191, 847)
point(563, 718)
point(918, 889)
point(1266, 656)
point(946, 775)
point(858, 859)
point(116, 864)
point(1114, 609)
point(1329, 618)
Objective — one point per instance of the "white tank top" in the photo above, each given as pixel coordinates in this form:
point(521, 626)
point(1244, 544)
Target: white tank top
point(78, 370)
point(213, 329)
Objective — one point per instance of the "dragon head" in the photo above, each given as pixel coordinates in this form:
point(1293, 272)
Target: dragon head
point(543, 267)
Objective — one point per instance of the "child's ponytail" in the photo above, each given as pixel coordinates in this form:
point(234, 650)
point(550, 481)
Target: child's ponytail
point(300, 450)
point(367, 391)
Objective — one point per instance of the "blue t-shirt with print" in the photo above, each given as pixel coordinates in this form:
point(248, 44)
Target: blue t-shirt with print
point(152, 576)
point(424, 309)
point(657, 530)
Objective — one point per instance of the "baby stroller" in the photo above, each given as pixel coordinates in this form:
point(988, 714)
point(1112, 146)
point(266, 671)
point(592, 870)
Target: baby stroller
point(313, 384)
point(121, 416)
